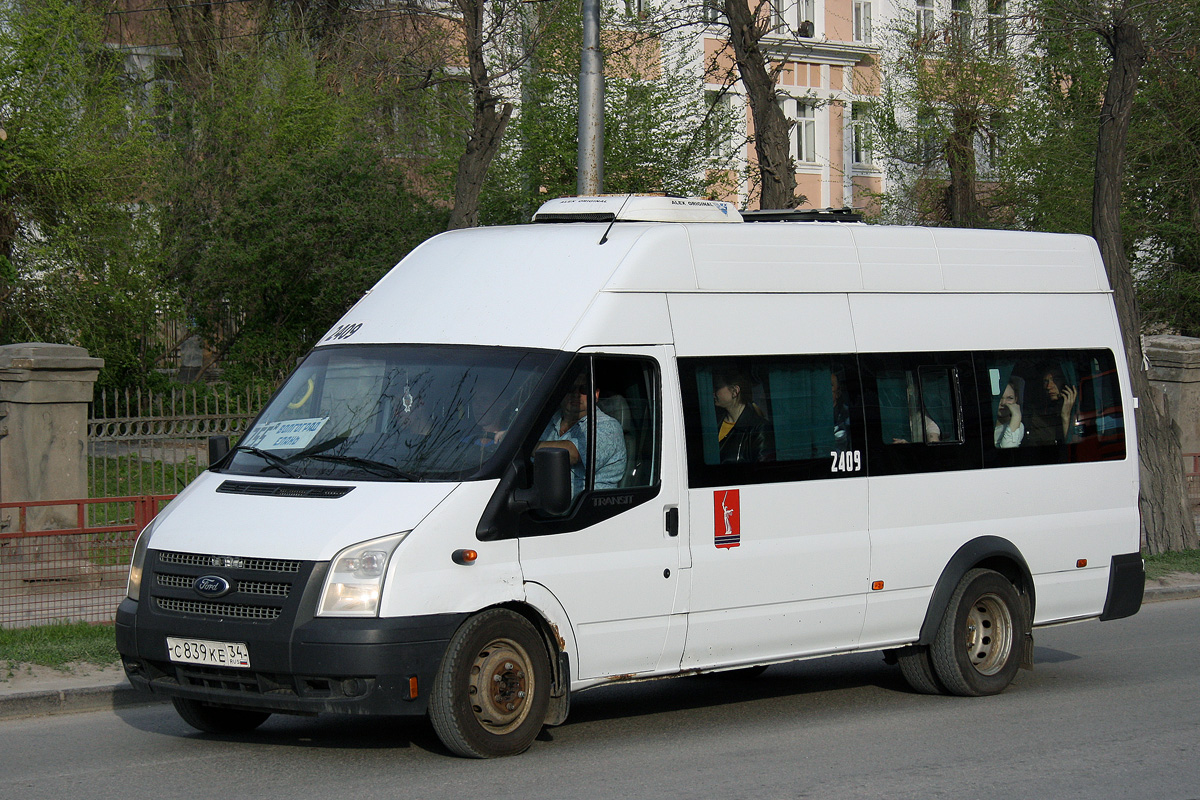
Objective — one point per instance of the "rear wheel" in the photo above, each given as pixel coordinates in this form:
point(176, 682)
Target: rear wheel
point(218, 719)
point(492, 690)
point(917, 668)
point(977, 648)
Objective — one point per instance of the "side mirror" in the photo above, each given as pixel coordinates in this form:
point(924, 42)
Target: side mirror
point(551, 490)
point(218, 448)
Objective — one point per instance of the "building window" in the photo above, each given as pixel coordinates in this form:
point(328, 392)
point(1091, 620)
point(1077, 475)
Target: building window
point(806, 133)
point(719, 142)
point(862, 20)
point(997, 27)
point(713, 10)
point(925, 26)
point(960, 17)
point(860, 132)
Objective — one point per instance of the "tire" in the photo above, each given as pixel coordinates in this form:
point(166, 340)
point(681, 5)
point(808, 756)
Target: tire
point(917, 668)
point(218, 719)
point(492, 690)
point(978, 645)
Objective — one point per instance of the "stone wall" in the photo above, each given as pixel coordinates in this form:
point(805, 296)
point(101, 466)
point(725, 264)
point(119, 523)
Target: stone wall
point(44, 394)
point(1175, 368)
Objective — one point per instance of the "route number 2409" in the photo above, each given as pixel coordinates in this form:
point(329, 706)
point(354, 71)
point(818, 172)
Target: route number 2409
point(846, 461)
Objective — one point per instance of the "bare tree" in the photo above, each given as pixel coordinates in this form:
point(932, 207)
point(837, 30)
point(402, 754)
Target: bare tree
point(772, 130)
point(482, 23)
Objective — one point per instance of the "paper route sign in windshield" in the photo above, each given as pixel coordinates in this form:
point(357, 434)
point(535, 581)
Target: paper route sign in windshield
point(289, 434)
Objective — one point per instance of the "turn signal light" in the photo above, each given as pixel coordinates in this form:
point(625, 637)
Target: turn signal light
point(464, 557)
point(412, 688)
point(876, 586)
point(1081, 563)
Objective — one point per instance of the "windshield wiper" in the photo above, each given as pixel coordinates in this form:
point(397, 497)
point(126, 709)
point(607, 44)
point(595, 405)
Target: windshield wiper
point(378, 467)
point(271, 459)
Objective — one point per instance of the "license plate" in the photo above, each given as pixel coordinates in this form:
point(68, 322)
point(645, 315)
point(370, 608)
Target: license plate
point(204, 651)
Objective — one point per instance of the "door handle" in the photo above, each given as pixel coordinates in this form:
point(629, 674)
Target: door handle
point(673, 521)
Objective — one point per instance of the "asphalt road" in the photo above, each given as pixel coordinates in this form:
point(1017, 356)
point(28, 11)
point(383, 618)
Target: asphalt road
point(1111, 710)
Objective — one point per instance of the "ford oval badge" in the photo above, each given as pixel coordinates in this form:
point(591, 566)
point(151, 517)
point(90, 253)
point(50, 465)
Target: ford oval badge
point(211, 586)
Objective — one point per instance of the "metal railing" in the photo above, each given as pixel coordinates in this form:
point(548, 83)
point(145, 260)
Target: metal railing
point(58, 565)
point(154, 444)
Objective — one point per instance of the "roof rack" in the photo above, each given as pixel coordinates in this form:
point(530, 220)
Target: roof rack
point(803, 215)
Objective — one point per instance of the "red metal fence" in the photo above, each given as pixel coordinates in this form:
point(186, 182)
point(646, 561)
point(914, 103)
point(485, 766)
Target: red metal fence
point(59, 564)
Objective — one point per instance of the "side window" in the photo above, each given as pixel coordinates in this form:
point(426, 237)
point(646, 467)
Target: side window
point(771, 418)
point(919, 404)
point(1049, 406)
point(606, 415)
point(918, 413)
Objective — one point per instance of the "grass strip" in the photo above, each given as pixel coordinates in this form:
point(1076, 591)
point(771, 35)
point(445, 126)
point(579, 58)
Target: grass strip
point(60, 645)
point(1164, 563)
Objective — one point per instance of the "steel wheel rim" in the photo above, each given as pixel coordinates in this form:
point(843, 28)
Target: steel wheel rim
point(988, 634)
point(501, 686)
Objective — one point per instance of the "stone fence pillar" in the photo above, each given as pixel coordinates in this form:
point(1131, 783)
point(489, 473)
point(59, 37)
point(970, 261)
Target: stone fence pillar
point(44, 394)
point(1175, 368)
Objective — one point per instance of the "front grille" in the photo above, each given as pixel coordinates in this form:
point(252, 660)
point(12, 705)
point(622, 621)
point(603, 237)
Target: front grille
point(261, 590)
point(234, 562)
point(210, 609)
point(245, 587)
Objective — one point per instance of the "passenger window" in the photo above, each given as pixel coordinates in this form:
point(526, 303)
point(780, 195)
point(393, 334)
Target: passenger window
point(918, 412)
point(771, 418)
point(919, 405)
point(606, 415)
point(1054, 405)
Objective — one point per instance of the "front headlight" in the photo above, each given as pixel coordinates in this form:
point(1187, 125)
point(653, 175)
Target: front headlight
point(355, 581)
point(133, 588)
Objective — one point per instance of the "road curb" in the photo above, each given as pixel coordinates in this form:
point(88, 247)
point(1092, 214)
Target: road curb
point(75, 700)
point(1157, 594)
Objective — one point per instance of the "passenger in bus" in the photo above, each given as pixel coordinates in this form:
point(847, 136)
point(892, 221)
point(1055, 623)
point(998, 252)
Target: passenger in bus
point(1051, 423)
point(1010, 430)
point(921, 426)
point(744, 432)
point(568, 429)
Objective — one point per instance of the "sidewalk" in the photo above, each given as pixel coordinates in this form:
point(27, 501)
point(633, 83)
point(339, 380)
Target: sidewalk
point(37, 691)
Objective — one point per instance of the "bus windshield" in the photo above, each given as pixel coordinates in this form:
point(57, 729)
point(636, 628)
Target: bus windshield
point(392, 413)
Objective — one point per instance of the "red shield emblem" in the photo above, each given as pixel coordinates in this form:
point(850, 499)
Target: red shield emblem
point(727, 516)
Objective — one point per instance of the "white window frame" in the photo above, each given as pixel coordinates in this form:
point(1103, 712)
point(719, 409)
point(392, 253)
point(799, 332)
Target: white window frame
point(861, 153)
point(925, 17)
point(805, 142)
point(862, 21)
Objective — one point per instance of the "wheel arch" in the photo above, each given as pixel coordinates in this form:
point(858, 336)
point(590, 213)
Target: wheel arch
point(556, 633)
point(986, 552)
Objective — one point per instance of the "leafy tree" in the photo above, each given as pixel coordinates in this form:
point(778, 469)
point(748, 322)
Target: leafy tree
point(949, 93)
point(281, 209)
point(76, 163)
point(1126, 35)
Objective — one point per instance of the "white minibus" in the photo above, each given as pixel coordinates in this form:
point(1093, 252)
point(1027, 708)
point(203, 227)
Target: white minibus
point(652, 436)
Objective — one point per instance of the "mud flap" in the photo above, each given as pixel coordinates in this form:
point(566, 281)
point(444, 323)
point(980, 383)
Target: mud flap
point(560, 692)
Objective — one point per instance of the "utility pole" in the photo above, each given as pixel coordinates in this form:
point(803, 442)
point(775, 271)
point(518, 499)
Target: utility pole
point(590, 161)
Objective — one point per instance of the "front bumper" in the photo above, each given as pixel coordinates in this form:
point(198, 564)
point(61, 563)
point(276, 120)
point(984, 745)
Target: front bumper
point(344, 666)
point(299, 663)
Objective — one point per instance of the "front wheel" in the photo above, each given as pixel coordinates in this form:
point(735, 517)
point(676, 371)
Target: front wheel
point(218, 719)
point(492, 690)
point(978, 645)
